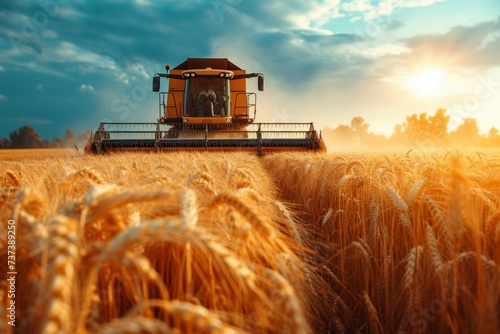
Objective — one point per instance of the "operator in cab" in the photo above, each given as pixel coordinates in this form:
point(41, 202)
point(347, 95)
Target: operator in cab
point(207, 101)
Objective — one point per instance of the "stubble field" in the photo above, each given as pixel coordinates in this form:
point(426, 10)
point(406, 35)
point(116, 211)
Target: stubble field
point(288, 243)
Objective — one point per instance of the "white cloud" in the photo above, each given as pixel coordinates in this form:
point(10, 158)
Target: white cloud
point(310, 15)
point(140, 71)
point(88, 88)
point(415, 3)
point(39, 87)
point(2, 97)
point(50, 34)
point(370, 12)
point(357, 6)
point(73, 57)
point(321, 13)
point(142, 2)
point(66, 51)
point(379, 51)
point(67, 12)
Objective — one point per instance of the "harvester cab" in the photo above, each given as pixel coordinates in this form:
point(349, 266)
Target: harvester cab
point(214, 94)
point(208, 107)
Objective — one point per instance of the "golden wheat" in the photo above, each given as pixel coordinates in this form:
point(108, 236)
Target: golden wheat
point(410, 219)
point(296, 243)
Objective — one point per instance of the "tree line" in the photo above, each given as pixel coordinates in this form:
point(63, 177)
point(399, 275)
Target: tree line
point(418, 130)
point(27, 137)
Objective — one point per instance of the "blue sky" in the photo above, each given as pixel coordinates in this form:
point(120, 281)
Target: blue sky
point(69, 64)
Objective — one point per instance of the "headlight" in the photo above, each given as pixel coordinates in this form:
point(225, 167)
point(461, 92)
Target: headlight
point(228, 120)
point(221, 75)
point(184, 120)
point(192, 75)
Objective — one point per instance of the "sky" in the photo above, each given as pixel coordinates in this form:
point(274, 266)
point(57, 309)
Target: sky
point(70, 64)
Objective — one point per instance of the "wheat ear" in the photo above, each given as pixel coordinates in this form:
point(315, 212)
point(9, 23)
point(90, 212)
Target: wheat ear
point(10, 179)
point(204, 319)
point(292, 303)
point(59, 300)
point(135, 325)
point(245, 210)
point(375, 325)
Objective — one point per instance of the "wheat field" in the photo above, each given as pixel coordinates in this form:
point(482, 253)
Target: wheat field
point(389, 242)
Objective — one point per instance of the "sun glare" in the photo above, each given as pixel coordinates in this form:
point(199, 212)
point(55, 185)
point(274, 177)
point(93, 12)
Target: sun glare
point(427, 83)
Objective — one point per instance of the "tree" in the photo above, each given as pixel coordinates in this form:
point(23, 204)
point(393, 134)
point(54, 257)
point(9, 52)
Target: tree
point(84, 137)
point(415, 127)
point(70, 139)
point(398, 137)
point(5, 143)
point(422, 129)
point(57, 142)
point(438, 125)
point(466, 133)
point(493, 134)
point(25, 137)
point(355, 136)
point(359, 126)
point(492, 139)
point(341, 134)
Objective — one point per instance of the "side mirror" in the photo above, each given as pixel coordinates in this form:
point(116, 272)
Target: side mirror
point(156, 84)
point(260, 82)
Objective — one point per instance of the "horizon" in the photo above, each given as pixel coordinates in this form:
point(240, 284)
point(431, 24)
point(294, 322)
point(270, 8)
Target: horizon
point(70, 65)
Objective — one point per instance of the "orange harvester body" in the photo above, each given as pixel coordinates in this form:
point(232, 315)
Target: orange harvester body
point(206, 107)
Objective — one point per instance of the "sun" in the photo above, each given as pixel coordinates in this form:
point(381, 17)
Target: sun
point(427, 83)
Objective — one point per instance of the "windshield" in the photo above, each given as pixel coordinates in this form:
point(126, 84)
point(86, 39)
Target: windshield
point(207, 97)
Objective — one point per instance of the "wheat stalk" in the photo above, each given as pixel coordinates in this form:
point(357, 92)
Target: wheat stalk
point(433, 250)
point(291, 223)
point(135, 325)
point(245, 210)
point(375, 325)
point(116, 234)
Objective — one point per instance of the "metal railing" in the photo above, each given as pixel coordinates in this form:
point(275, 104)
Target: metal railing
point(164, 106)
point(158, 135)
point(249, 105)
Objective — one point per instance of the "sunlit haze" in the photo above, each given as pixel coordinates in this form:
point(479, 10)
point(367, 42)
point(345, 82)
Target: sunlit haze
point(427, 83)
point(71, 64)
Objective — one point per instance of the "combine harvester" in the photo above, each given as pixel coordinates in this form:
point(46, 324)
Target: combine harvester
point(206, 107)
